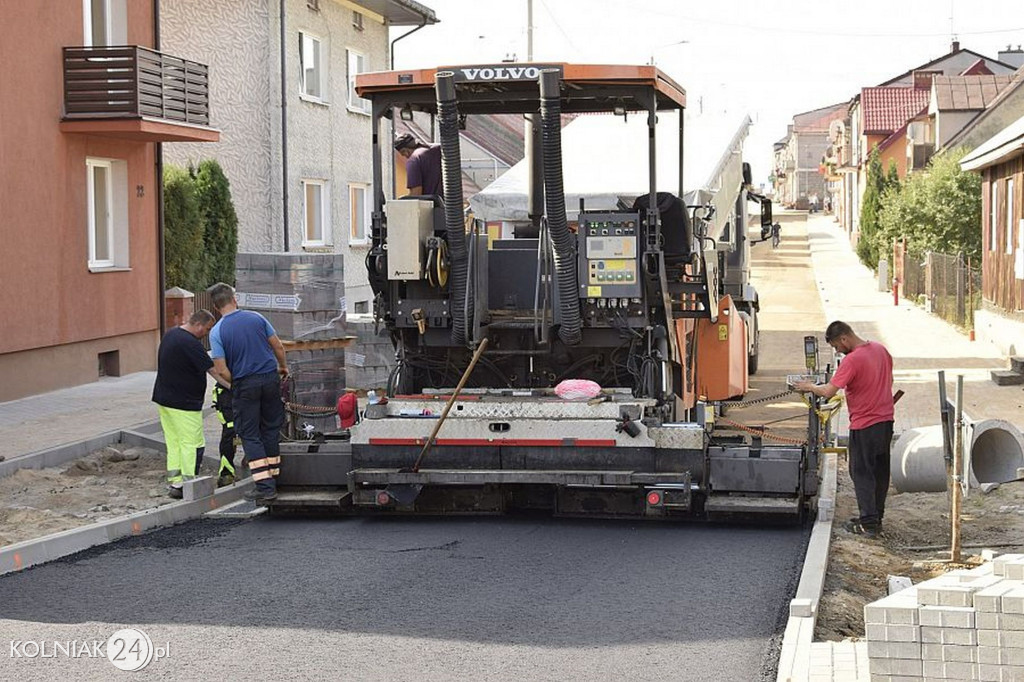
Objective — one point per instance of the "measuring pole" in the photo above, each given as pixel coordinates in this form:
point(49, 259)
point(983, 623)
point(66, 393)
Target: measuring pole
point(958, 458)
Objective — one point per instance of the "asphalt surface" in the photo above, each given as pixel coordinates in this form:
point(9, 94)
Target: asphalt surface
point(482, 598)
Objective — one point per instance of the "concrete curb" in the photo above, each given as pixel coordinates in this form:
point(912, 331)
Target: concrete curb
point(61, 454)
point(794, 660)
point(22, 555)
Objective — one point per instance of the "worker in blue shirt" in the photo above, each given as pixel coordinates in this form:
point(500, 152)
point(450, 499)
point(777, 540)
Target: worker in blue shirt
point(245, 348)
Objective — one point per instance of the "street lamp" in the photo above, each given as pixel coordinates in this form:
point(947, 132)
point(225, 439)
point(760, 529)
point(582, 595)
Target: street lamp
point(660, 47)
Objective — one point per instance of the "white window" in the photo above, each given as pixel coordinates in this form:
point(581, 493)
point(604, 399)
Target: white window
point(104, 22)
point(993, 214)
point(356, 65)
point(106, 185)
point(1009, 217)
point(359, 213)
point(311, 63)
point(316, 213)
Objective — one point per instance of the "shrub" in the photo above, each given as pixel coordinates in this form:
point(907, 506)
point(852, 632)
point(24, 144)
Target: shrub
point(183, 231)
point(220, 234)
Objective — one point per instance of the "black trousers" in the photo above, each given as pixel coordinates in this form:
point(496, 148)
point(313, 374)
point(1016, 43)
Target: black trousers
point(869, 468)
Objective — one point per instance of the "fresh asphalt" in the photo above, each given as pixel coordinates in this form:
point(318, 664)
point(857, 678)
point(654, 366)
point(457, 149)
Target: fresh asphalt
point(483, 598)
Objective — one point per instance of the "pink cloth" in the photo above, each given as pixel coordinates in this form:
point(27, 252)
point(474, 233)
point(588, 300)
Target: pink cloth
point(865, 374)
point(577, 389)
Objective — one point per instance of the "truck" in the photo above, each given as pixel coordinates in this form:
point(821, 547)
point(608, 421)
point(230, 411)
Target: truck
point(648, 299)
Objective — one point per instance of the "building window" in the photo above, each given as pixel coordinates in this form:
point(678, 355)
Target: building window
point(993, 214)
point(316, 214)
point(359, 213)
point(1009, 217)
point(107, 210)
point(362, 307)
point(356, 65)
point(104, 22)
point(312, 84)
point(357, 20)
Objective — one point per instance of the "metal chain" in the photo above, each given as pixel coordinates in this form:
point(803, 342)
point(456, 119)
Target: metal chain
point(758, 401)
point(762, 434)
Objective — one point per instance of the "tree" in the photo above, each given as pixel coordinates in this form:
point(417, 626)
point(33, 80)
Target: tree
point(220, 233)
point(183, 231)
point(892, 177)
point(867, 242)
point(938, 209)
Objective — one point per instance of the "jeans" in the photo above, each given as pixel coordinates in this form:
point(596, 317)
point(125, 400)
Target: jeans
point(259, 415)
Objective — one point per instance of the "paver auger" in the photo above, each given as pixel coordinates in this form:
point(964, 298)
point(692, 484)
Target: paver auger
point(649, 298)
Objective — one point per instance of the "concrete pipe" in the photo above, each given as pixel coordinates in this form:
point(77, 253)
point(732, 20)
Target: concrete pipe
point(996, 451)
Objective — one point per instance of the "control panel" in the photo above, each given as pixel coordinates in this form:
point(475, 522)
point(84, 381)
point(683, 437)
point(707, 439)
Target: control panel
point(609, 255)
point(609, 268)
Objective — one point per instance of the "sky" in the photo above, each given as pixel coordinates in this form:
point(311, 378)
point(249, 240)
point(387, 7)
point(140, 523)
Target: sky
point(769, 58)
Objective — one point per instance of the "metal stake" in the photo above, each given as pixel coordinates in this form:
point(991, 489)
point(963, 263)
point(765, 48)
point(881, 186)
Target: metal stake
point(958, 458)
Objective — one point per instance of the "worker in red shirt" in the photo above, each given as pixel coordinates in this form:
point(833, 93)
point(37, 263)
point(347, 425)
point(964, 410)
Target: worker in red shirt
point(865, 375)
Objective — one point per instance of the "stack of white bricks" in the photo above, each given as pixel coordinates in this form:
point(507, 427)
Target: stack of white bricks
point(964, 625)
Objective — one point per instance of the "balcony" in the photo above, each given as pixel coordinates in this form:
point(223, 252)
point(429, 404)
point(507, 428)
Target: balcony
point(135, 93)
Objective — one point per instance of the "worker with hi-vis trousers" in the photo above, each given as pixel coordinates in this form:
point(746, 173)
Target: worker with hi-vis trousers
point(228, 439)
point(182, 366)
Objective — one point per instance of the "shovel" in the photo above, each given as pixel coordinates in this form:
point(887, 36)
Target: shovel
point(406, 493)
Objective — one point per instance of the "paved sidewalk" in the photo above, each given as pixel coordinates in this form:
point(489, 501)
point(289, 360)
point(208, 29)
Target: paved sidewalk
point(74, 414)
point(920, 343)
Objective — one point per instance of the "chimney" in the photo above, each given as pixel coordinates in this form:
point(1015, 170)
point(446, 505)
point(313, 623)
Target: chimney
point(956, 46)
point(1014, 58)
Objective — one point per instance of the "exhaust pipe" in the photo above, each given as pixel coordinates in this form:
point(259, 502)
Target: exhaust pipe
point(570, 331)
point(451, 178)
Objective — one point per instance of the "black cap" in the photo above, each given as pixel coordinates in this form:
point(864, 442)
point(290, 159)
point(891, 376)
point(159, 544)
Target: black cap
point(404, 140)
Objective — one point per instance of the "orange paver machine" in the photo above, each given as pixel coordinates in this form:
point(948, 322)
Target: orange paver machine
point(647, 297)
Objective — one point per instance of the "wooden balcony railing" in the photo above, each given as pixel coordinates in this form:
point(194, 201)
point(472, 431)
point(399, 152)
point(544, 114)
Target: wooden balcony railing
point(134, 82)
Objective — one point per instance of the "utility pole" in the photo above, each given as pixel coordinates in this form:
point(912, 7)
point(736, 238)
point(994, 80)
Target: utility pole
point(529, 30)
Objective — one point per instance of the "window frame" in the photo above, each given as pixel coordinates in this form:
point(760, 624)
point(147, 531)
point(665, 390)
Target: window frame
point(353, 101)
point(321, 68)
point(367, 213)
point(87, 26)
point(325, 212)
point(91, 164)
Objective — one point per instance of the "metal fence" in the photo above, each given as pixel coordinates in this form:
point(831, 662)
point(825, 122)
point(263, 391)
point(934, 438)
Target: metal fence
point(946, 285)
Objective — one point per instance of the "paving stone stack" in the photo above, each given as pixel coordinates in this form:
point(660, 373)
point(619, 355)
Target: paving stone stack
point(302, 294)
point(371, 357)
point(303, 297)
point(964, 625)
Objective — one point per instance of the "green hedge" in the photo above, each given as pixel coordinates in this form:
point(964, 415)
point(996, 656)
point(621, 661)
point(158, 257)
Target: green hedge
point(200, 227)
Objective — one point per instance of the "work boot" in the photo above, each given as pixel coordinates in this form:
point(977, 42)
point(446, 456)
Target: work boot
point(175, 492)
point(869, 530)
point(226, 478)
point(261, 497)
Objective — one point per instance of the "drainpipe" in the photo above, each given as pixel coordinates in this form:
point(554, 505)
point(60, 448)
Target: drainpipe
point(161, 265)
point(284, 127)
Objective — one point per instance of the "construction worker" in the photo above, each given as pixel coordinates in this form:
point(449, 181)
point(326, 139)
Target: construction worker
point(247, 352)
point(182, 366)
point(226, 415)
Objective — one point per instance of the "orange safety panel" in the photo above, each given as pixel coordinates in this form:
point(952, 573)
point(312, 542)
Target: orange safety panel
point(720, 365)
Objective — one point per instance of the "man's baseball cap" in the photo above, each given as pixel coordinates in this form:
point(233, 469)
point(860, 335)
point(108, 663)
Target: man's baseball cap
point(404, 140)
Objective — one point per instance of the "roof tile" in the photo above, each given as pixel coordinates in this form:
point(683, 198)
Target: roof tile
point(886, 109)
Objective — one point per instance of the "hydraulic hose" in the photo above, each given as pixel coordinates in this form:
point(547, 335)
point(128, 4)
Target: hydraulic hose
point(554, 199)
point(451, 178)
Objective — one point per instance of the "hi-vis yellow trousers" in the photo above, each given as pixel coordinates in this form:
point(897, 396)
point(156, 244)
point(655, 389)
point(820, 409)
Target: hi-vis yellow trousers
point(183, 433)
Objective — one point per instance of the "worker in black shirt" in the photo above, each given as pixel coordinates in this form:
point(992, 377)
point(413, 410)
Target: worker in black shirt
point(179, 392)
